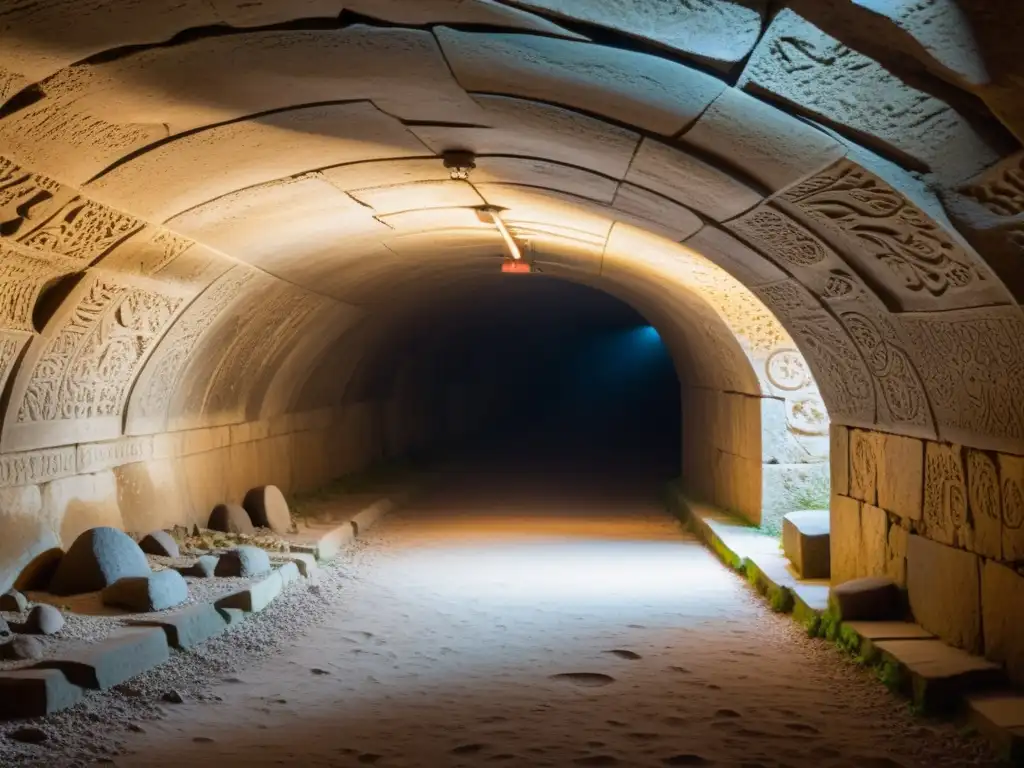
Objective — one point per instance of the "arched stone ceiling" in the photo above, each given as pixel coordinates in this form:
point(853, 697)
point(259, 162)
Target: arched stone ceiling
point(241, 187)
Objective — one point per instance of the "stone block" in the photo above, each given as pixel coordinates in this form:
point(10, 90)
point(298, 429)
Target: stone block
point(1011, 485)
point(160, 543)
point(944, 589)
point(805, 540)
point(230, 518)
point(896, 554)
point(305, 562)
point(901, 476)
point(945, 493)
point(108, 662)
point(999, 716)
point(1002, 605)
point(98, 558)
point(143, 594)
point(203, 568)
point(267, 508)
point(370, 516)
point(844, 538)
point(27, 693)
point(332, 542)
point(936, 675)
point(289, 572)
point(868, 599)
point(984, 531)
point(874, 541)
point(151, 494)
point(244, 561)
point(863, 465)
point(256, 597)
point(189, 626)
point(889, 630)
point(839, 459)
point(13, 601)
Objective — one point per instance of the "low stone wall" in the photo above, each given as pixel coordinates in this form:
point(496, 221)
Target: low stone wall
point(142, 483)
point(944, 520)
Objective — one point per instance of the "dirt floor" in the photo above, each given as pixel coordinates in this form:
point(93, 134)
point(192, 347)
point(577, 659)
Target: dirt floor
point(526, 624)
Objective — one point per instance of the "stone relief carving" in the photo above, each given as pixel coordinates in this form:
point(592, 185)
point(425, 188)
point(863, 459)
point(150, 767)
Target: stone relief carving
point(807, 416)
point(10, 347)
point(149, 252)
point(787, 370)
point(984, 504)
point(161, 376)
point(87, 365)
point(22, 277)
point(40, 214)
point(905, 252)
point(842, 377)
point(863, 465)
point(95, 457)
point(945, 493)
point(972, 365)
point(1001, 189)
point(35, 467)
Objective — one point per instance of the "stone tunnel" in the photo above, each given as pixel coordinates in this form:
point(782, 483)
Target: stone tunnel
point(219, 220)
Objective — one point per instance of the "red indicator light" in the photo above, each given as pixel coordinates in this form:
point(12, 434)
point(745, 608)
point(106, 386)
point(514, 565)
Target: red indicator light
point(516, 266)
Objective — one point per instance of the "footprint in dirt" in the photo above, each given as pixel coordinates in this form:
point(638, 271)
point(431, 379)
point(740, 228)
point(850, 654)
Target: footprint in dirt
point(802, 728)
point(468, 749)
point(584, 679)
point(625, 654)
point(687, 759)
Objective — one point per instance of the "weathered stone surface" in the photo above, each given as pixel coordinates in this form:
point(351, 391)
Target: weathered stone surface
point(889, 630)
point(243, 561)
point(190, 626)
point(256, 597)
point(98, 558)
point(289, 572)
point(874, 539)
point(839, 459)
point(872, 598)
point(268, 508)
point(900, 475)
point(39, 572)
point(945, 494)
point(306, 563)
point(22, 648)
point(984, 505)
point(160, 543)
point(12, 600)
point(945, 592)
point(845, 547)
point(864, 465)
point(108, 662)
point(203, 568)
point(230, 518)
point(896, 555)
point(1002, 604)
point(743, 263)
point(635, 89)
point(805, 540)
point(27, 538)
point(940, 675)
point(43, 619)
point(365, 519)
point(143, 594)
point(1011, 476)
point(26, 693)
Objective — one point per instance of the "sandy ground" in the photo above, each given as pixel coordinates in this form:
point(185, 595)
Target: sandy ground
point(481, 627)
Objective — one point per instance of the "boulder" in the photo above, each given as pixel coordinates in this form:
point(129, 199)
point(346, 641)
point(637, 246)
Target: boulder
point(13, 601)
point(22, 648)
point(267, 508)
point(230, 518)
point(98, 558)
point(143, 594)
point(805, 540)
point(203, 568)
point(243, 561)
point(869, 599)
point(42, 620)
point(160, 543)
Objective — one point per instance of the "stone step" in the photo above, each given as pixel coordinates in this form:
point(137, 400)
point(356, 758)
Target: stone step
point(805, 540)
point(999, 716)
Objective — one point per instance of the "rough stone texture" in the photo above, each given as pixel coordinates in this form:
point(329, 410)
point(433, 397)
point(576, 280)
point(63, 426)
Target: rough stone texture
point(26, 693)
point(636, 89)
point(1002, 604)
point(190, 626)
point(160, 543)
point(839, 459)
point(945, 592)
point(940, 675)
point(845, 546)
point(1011, 476)
point(872, 598)
point(230, 518)
point(984, 504)
point(945, 493)
point(12, 600)
point(874, 539)
point(22, 648)
point(97, 559)
point(143, 594)
point(901, 476)
point(43, 619)
point(256, 597)
point(863, 465)
point(805, 540)
point(268, 508)
point(116, 658)
point(243, 561)
point(366, 518)
point(896, 555)
point(204, 568)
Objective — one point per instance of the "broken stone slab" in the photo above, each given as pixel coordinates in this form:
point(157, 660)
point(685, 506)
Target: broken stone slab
point(999, 716)
point(332, 542)
point(108, 662)
point(98, 558)
point(868, 599)
point(268, 508)
point(156, 592)
point(26, 693)
point(369, 517)
point(244, 561)
point(937, 675)
point(12, 600)
point(42, 620)
point(190, 626)
point(256, 597)
point(230, 518)
point(203, 568)
point(160, 543)
point(805, 540)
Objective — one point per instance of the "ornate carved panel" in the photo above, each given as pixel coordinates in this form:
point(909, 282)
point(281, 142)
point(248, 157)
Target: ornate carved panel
point(1001, 188)
point(842, 377)
point(35, 467)
point(161, 376)
point(983, 502)
point(40, 214)
point(1011, 477)
point(11, 344)
point(891, 242)
point(22, 276)
point(945, 494)
point(972, 366)
point(74, 383)
point(95, 457)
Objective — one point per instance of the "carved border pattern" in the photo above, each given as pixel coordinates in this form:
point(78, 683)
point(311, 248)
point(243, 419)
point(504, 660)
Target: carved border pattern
point(10, 347)
point(1000, 191)
point(88, 365)
point(34, 467)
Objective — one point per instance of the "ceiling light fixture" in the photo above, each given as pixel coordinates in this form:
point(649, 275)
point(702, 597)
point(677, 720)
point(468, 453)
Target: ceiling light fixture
point(459, 163)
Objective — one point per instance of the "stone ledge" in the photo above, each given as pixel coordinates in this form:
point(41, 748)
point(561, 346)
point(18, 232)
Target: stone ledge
point(26, 693)
point(325, 544)
point(999, 716)
point(119, 657)
point(190, 626)
point(256, 596)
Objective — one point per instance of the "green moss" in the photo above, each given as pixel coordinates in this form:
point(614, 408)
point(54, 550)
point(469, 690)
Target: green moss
point(781, 600)
point(891, 674)
point(813, 626)
point(848, 640)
